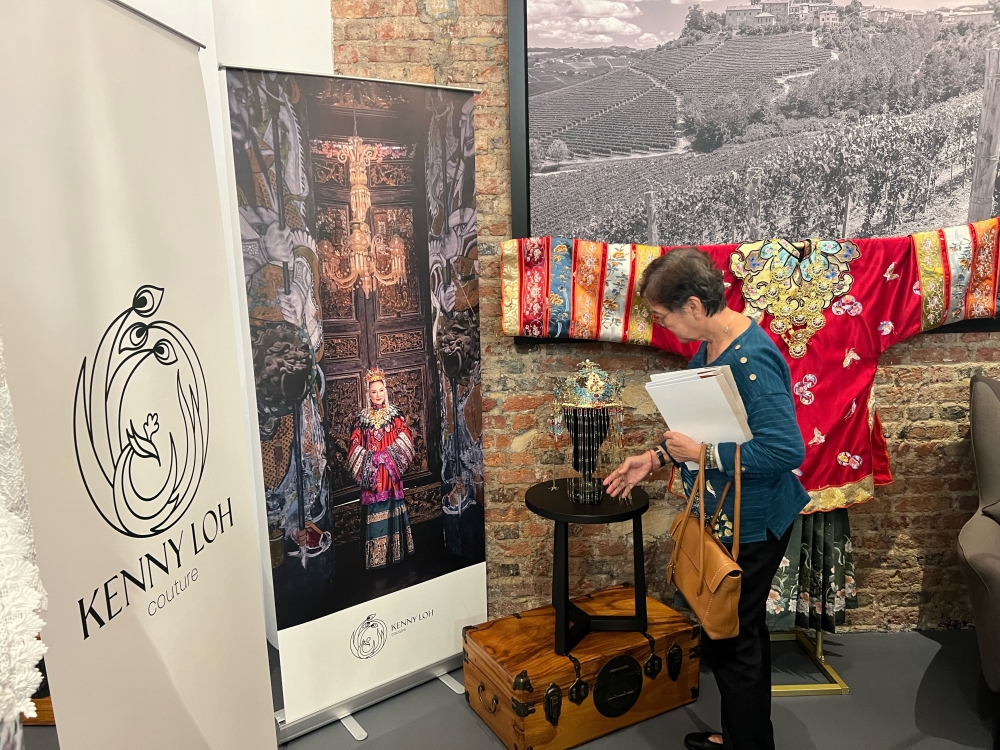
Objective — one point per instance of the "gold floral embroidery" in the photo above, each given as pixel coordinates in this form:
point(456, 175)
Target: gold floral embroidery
point(377, 419)
point(510, 292)
point(794, 283)
point(830, 498)
point(931, 270)
point(640, 322)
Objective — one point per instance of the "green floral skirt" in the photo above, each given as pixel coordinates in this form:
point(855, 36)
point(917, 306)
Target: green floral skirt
point(814, 585)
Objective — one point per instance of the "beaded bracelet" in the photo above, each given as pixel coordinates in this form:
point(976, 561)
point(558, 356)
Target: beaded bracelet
point(710, 462)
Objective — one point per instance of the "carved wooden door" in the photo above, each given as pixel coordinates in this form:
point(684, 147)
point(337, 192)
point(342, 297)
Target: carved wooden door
point(391, 327)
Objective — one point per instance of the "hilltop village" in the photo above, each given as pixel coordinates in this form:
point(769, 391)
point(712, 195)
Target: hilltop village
point(822, 14)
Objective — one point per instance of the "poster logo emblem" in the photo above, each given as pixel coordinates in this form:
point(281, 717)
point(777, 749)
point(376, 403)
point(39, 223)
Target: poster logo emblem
point(369, 638)
point(140, 421)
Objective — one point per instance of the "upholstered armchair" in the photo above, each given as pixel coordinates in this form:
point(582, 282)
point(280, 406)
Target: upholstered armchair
point(979, 539)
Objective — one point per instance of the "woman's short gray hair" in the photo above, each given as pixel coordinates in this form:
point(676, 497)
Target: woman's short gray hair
point(685, 272)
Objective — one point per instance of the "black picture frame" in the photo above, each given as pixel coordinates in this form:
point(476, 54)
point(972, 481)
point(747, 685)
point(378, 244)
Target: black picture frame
point(520, 188)
point(520, 171)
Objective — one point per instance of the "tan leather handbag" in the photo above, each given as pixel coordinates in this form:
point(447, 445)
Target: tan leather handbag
point(702, 567)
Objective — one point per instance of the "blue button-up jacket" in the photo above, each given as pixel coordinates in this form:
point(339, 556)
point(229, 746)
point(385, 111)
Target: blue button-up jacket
point(772, 495)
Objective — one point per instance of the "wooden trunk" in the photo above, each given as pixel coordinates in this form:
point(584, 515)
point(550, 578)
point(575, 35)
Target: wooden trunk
point(534, 699)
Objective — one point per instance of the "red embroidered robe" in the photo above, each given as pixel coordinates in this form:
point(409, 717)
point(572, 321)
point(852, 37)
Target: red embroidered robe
point(831, 306)
point(380, 452)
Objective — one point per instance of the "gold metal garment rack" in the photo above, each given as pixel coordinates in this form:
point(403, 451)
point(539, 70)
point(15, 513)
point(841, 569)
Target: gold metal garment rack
point(813, 647)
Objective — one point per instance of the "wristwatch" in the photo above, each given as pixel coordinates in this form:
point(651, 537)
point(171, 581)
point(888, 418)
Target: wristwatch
point(661, 454)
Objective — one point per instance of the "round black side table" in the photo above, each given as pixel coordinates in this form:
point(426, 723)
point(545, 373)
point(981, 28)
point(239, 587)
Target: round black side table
point(552, 500)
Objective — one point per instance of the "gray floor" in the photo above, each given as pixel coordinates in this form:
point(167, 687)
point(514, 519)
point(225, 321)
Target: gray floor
point(919, 691)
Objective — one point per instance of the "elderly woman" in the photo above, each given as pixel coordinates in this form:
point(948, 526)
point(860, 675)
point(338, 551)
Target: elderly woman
point(685, 291)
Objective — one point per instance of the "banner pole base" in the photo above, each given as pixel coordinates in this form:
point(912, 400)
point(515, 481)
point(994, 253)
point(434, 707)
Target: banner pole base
point(289, 730)
point(352, 726)
point(455, 685)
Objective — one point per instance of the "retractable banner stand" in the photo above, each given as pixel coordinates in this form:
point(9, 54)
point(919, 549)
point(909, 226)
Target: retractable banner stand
point(120, 347)
point(358, 222)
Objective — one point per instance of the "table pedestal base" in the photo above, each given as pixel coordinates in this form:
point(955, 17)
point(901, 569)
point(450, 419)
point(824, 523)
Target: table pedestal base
point(572, 623)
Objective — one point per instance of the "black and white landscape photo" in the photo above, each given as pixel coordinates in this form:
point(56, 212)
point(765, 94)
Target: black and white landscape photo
point(671, 122)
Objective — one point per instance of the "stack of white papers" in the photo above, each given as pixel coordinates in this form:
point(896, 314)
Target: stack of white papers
point(703, 404)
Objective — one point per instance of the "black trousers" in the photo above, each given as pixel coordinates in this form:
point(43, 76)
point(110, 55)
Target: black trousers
point(742, 665)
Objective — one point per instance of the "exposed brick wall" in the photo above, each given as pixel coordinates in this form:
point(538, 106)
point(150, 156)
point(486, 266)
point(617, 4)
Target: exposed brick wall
point(449, 42)
point(904, 539)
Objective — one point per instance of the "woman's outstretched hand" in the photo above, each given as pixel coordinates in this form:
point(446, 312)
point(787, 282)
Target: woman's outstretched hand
point(632, 471)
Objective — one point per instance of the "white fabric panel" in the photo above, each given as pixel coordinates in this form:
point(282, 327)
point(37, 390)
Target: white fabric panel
point(109, 184)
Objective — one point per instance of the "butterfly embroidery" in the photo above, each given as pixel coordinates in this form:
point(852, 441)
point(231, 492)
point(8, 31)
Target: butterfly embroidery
point(818, 437)
point(854, 408)
point(850, 356)
point(889, 275)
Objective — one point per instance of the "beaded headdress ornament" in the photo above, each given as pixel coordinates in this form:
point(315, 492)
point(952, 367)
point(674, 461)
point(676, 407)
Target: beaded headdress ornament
point(374, 374)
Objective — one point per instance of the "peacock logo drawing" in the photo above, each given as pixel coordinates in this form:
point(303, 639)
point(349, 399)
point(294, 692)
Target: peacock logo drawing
point(369, 638)
point(140, 421)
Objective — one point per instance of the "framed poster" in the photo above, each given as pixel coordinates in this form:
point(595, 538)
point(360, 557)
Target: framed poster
point(678, 122)
point(358, 226)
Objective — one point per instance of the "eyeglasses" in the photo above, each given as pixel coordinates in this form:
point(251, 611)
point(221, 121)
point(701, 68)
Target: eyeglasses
point(660, 320)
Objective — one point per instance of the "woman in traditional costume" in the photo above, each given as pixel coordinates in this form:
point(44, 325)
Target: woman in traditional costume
point(380, 452)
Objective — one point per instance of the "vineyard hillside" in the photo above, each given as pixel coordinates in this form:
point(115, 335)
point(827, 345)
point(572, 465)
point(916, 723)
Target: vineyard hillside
point(635, 109)
point(859, 129)
point(879, 175)
point(551, 69)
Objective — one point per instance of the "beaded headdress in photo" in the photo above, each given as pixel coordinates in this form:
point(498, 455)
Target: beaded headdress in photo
point(374, 374)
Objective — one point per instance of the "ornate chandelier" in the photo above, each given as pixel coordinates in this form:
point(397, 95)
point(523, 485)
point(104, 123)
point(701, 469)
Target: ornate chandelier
point(371, 261)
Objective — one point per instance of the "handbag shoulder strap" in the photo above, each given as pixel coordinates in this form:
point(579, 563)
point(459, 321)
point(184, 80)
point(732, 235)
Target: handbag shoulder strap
point(702, 515)
point(736, 505)
point(682, 526)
